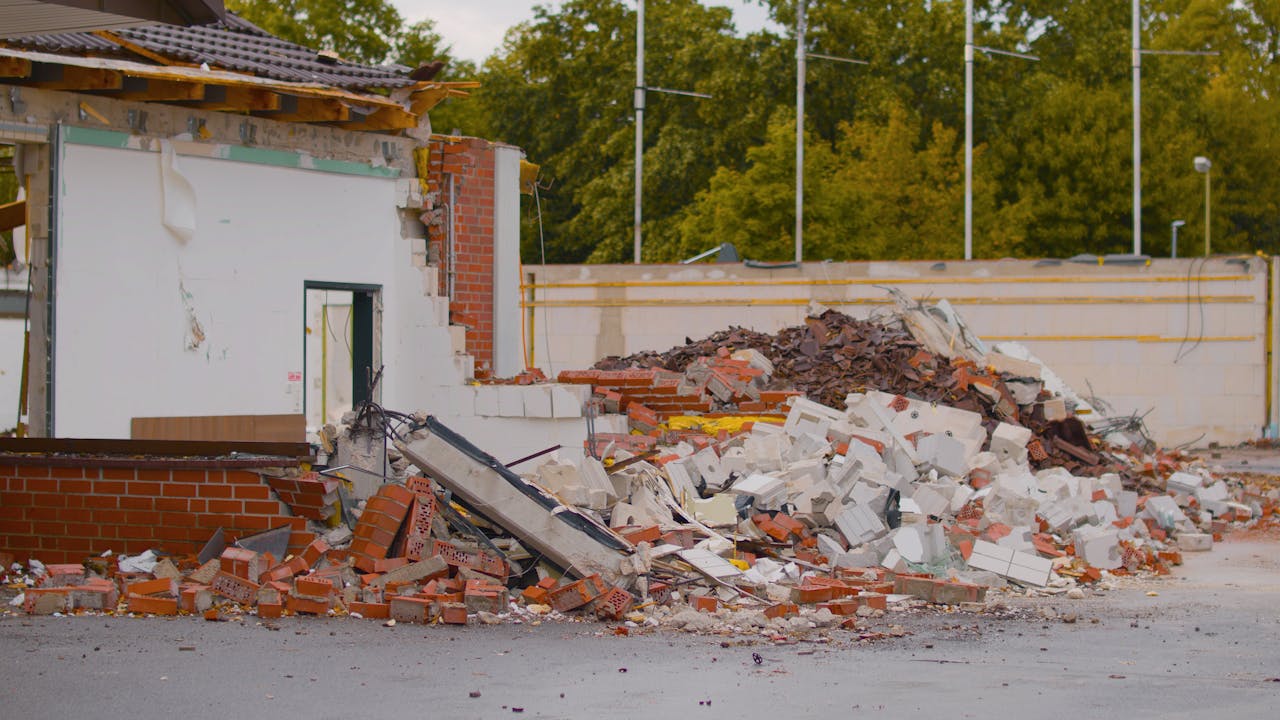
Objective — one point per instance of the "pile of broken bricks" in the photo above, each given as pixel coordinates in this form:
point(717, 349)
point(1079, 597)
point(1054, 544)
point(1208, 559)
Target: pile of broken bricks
point(776, 517)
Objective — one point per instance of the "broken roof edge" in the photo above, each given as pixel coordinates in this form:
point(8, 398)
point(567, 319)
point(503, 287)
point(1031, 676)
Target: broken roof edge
point(190, 74)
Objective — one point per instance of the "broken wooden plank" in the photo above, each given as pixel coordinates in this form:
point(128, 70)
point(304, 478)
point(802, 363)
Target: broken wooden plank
point(309, 109)
point(13, 215)
point(73, 77)
point(13, 67)
point(231, 98)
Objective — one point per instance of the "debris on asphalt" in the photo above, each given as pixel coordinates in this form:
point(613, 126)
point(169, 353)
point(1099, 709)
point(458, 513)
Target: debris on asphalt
point(771, 485)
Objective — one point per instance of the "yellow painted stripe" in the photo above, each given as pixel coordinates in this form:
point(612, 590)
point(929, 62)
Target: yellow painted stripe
point(766, 302)
point(766, 282)
point(1136, 338)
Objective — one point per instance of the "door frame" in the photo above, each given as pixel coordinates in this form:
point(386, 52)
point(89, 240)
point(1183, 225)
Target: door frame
point(366, 350)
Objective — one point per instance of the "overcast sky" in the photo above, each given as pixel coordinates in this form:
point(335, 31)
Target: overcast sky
point(475, 27)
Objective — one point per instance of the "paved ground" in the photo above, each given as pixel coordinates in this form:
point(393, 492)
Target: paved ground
point(1208, 645)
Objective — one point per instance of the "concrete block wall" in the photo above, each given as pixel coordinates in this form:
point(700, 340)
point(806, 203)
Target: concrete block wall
point(61, 509)
point(1183, 341)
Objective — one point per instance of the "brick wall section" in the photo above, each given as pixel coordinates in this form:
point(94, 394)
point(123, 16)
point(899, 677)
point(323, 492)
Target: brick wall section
point(470, 162)
point(65, 512)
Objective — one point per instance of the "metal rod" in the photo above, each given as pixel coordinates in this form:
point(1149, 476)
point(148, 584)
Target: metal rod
point(690, 93)
point(820, 56)
point(639, 105)
point(1010, 53)
point(1213, 53)
point(702, 255)
point(538, 454)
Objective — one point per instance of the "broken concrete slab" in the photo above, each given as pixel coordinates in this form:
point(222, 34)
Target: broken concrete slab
point(568, 537)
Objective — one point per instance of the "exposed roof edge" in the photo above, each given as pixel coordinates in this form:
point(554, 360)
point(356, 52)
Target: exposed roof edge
point(54, 16)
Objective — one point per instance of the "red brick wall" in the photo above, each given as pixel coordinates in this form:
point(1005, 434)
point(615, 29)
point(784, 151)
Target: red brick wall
point(66, 510)
point(470, 162)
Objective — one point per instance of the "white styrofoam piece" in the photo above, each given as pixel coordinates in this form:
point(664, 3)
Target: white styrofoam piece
point(709, 564)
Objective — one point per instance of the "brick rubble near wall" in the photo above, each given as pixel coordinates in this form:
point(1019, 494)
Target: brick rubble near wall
point(64, 514)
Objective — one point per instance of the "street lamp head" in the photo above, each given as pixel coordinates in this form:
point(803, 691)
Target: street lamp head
point(1202, 164)
point(1179, 223)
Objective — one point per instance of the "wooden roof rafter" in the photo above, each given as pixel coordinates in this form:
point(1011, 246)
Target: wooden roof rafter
point(220, 91)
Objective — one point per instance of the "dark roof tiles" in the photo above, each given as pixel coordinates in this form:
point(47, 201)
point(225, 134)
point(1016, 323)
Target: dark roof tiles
point(233, 44)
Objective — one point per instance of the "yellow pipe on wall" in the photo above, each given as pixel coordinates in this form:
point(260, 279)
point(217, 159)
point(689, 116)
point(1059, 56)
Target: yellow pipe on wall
point(887, 282)
point(764, 302)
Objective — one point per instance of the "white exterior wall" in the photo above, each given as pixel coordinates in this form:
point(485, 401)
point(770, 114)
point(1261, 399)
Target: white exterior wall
point(507, 361)
point(127, 287)
point(1128, 332)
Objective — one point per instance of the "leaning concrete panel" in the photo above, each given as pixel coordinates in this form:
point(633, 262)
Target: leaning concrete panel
point(567, 537)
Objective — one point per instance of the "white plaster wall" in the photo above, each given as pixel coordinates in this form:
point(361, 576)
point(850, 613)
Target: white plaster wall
point(12, 335)
point(507, 360)
point(1117, 330)
point(261, 232)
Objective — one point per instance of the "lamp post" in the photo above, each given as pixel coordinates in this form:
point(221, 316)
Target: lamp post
point(802, 55)
point(969, 49)
point(1202, 165)
point(640, 90)
point(1136, 62)
point(1173, 248)
point(637, 239)
point(801, 28)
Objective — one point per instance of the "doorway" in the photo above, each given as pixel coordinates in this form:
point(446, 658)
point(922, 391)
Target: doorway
point(340, 350)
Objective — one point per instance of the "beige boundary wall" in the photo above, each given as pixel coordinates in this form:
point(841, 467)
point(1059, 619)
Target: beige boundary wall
point(1185, 341)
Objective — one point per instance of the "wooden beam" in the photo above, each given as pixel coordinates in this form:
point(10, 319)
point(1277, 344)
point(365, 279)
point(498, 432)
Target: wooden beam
point(307, 109)
point(232, 98)
point(13, 67)
point(139, 50)
point(150, 90)
point(73, 77)
point(13, 215)
point(428, 95)
point(384, 118)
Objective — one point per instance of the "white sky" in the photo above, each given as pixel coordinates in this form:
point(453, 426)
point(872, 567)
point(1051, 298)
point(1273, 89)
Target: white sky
point(475, 27)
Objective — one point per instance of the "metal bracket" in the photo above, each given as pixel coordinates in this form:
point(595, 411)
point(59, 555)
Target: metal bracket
point(138, 120)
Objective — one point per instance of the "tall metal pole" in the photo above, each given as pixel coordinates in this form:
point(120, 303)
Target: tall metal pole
point(968, 129)
point(800, 72)
point(639, 103)
point(1207, 171)
point(1137, 129)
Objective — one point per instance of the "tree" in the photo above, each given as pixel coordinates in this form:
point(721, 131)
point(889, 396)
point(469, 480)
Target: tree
point(561, 87)
point(364, 31)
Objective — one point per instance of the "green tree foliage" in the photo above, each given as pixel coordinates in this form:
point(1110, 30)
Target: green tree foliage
point(561, 87)
point(365, 31)
point(884, 163)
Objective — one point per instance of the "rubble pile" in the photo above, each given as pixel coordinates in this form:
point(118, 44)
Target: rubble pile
point(740, 371)
point(739, 503)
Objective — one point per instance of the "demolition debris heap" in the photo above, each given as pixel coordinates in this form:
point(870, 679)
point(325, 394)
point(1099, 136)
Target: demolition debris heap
point(769, 483)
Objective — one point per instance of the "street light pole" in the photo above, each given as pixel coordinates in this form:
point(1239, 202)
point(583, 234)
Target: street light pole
point(1202, 165)
point(968, 129)
point(801, 29)
point(1137, 130)
point(1173, 247)
point(969, 49)
point(639, 103)
point(1138, 52)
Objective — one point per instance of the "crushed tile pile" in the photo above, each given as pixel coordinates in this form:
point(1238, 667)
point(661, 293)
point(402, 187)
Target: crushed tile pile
point(793, 516)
